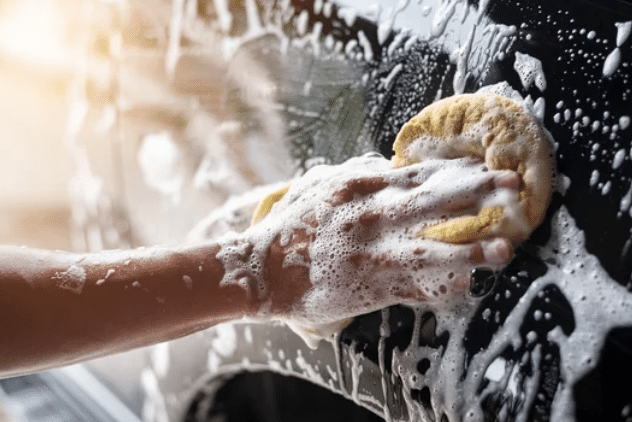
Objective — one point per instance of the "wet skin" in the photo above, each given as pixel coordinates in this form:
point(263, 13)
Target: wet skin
point(353, 229)
point(58, 308)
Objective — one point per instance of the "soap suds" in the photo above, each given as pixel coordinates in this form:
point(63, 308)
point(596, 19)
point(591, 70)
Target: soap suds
point(160, 359)
point(530, 70)
point(343, 288)
point(599, 304)
point(73, 279)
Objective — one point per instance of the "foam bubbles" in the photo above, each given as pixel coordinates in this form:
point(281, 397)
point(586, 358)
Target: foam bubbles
point(530, 71)
point(599, 304)
point(611, 64)
point(351, 256)
point(619, 156)
point(623, 32)
point(73, 279)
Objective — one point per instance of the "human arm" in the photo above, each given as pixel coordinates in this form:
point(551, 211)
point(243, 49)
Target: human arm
point(340, 243)
point(58, 308)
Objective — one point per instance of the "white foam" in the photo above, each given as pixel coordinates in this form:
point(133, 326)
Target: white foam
point(154, 406)
point(308, 369)
point(598, 302)
point(623, 32)
point(626, 200)
point(160, 359)
point(530, 71)
point(611, 64)
point(73, 279)
point(301, 22)
point(619, 156)
point(348, 14)
point(442, 17)
point(327, 9)
point(397, 42)
point(388, 80)
point(342, 288)
point(225, 342)
point(318, 6)
point(366, 46)
point(462, 55)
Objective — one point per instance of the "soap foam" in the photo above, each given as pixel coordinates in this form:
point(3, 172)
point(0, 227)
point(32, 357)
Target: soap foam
point(73, 279)
point(599, 304)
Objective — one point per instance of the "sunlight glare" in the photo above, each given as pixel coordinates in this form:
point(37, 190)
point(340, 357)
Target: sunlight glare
point(35, 32)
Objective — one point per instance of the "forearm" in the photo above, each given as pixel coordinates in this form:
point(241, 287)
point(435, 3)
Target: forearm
point(58, 308)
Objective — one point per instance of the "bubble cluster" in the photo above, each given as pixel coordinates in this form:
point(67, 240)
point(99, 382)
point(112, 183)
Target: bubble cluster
point(73, 279)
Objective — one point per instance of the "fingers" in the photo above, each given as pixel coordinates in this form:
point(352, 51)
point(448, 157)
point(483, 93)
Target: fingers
point(428, 270)
point(496, 252)
point(481, 205)
point(471, 188)
point(477, 273)
point(483, 278)
point(469, 196)
point(507, 179)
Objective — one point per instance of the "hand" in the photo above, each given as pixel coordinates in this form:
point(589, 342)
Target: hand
point(346, 241)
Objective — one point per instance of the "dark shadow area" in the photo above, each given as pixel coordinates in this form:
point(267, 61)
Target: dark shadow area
point(270, 397)
point(604, 393)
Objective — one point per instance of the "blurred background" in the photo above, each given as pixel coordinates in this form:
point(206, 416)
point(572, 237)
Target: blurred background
point(125, 116)
point(36, 70)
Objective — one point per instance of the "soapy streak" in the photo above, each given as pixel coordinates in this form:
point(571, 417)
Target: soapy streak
point(599, 305)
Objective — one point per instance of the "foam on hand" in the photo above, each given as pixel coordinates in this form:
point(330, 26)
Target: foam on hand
point(470, 170)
